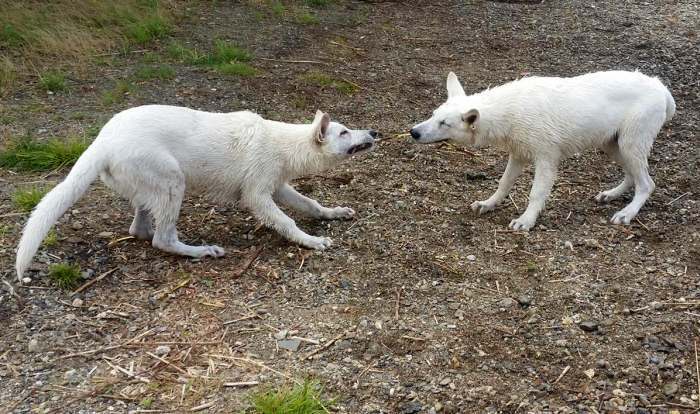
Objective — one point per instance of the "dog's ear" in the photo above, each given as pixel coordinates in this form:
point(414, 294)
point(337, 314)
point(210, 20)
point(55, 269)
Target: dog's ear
point(454, 88)
point(471, 117)
point(320, 126)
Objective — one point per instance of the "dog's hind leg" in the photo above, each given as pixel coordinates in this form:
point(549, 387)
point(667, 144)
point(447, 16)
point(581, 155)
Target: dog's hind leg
point(613, 151)
point(286, 194)
point(635, 144)
point(513, 170)
point(545, 174)
point(166, 191)
point(142, 226)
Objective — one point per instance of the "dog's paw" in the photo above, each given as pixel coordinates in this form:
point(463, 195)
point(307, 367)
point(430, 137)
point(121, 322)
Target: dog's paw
point(603, 197)
point(522, 224)
point(341, 213)
point(481, 207)
point(622, 217)
point(317, 243)
point(213, 251)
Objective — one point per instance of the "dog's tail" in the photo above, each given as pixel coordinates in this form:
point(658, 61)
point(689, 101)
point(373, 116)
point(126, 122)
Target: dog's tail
point(670, 105)
point(55, 203)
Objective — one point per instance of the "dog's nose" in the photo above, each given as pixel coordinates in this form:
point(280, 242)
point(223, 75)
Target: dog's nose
point(415, 134)
point(373, 133)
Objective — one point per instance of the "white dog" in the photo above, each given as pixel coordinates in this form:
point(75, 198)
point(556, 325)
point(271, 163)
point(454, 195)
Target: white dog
point(150, 154)
point(542, 120)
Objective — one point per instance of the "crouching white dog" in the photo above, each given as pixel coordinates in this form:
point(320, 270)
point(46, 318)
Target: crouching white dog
point(150, 154)
point(542, 120)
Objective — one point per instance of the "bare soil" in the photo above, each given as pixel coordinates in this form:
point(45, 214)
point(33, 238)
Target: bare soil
point(420, 306)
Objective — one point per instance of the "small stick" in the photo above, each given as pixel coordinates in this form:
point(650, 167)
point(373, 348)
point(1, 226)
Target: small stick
point(240, 384)
point(398, 303)
point(203, 406)
point(245, 318)
point(248, 261)
point(643, 225)
point(165, 361)
point(93, 281)
point(121, 239)
point(677, 198)
point(11, 215)
point(293, 61)
point(325, 346)
point(566, 369)
point(516, 206)
point(697, 368)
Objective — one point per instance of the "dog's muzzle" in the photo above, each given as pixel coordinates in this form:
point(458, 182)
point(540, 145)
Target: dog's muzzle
point(365, 146)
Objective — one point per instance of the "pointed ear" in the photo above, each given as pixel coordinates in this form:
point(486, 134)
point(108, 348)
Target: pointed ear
point(471, 117)
point(320, 125)
point(454, 88)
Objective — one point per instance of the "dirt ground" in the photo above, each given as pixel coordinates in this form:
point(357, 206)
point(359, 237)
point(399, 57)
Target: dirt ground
point(420, 306)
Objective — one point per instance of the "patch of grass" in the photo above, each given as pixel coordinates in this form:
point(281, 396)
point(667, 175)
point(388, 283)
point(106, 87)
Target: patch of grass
point(25, 154)
point(4, 230)
point(118, 93)
point(225, 52)
point(64, 275)
point(235, 68)
point(531, 266)
point(305, 17)
point(162, 72)
point(324, 80)
point(10, 37)
point(146, 403)
point(277, 8)
point(148, 29)
point(301, 399)
point(51, 239)
point(225, 57)
point(8, 74)
point(317, 3)
point(53, 81)
point(25, 199)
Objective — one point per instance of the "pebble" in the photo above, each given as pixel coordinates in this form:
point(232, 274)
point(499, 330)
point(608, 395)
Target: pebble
point(411, 407)
point(105, 235)
point(72, 376)
point(471, 258)
point(656, 305)
point(281, 334)
point(506, 303)
point(670, 388)
point(77, 302)
point(162, 350)
point(588, 326)
point(601, 363)
point(87, 274)
point(569, 245)
point(76, 225)
point(289, 344)
point(26, 280)
point(33, 345)
point(524, 300)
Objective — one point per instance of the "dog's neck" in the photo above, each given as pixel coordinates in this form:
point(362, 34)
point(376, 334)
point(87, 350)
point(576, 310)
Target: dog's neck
point(300, 152)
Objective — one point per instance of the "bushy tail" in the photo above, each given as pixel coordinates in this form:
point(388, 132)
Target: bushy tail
point(54, 204)
point(670, 106)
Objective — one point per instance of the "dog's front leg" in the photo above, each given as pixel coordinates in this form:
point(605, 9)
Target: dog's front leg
point(265, 210)
point(287, 195)
point(513, 171)
point(545, 174)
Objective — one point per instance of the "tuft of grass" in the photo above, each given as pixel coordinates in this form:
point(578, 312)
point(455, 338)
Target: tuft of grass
point(531, 266)
point(51, 239)
point(118, 93)
point(225, 57)
point(8, 74)
point(235, 68)
point(64, 275)
point(162, 72)
point(53, 81)
point(25, 199)
point(324, 80)
point(317, 3)
point(301, 399)
point(307, 18)
point(225, 52)
point(25, 154)
point(148, 29)
point(146, 403)
point(277, 8)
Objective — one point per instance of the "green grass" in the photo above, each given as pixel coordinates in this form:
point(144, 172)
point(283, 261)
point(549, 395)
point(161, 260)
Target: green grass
point(324, 80)
point(118, 93)
point(53, 81)
point(235, 68)
point(25, 154)
point(317, 3)
point(25, 199)
point(162, 72)
point(148, 29)
point(304, 17)
point(225, 57)
point(64, 275)
point(301, 399)
point(278, 8)
point(51, 239)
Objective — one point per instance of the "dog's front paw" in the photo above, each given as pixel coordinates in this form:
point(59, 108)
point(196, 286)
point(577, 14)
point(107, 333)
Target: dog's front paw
point(481, 207)
point(317, 243)
point(213, 251)
point(341, 213)
point(622, 217)
point(603, 197)
point(522, 223)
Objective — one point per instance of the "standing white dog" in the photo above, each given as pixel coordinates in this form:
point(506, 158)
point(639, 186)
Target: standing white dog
point(150, 154)
point(543, 120)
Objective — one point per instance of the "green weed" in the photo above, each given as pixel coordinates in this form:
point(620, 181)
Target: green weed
point(161, 72)
point(25, 199)
point(301, 399)
point(64, 275)
point(25, 154)
point(53, 81)
point(118, 93)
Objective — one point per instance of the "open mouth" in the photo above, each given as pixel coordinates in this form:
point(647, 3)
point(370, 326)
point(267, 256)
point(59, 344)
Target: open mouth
point(359, 148)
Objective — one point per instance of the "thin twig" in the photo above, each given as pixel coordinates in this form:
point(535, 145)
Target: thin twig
point(398, 303)
point(203, 406)
point(325, 346)
point(248, 261)
point(293, 61)
point(676, 199)
point(697, 369)
point(93, 281)
point(566, 369)
point(240, 384)
point(165, 361)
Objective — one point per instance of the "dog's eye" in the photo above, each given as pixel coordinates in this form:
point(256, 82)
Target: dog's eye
point(444, 124)
point(345, 132)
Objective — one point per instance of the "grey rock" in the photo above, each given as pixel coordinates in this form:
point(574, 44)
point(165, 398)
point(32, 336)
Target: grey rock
point(72, 376)
point(162, 350)
point(506, 303)
point(588, 326)
point(77, 302)
point(281, 334)
point(670, 388)
point(411, 407)
point(524, 300)
point(76, 225)
point(105, 235)
point(289, 344)
point(33, 345)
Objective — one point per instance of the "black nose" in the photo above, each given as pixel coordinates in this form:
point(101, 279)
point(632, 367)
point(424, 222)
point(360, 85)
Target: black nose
point(415, 134)
point(373, 133)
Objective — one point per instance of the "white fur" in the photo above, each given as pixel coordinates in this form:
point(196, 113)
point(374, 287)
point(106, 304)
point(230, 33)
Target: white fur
point(543, 120)
point(151, 154)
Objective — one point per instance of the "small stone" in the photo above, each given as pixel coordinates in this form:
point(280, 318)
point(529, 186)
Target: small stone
point(506, 303)
point(618, 392)
point(33, 345)
point(670, 388)
point(590, 373)
point(281, 334)
point(87, 274)
point(471, 258)
point(411, 407)
point(76, 225)
point(445, 381)
point(569, 245)
point(561, 342)
point(289, 344)
point(162, 350)
point(72, 376)
point(105, 235)
point(588, 326)
point(26, 280)
point(601, 363)
point(77, 302)
point(656, 305)
point(524, 300)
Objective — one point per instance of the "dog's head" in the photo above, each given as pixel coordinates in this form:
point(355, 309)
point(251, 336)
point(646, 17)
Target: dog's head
point(336, 140)
point(455, 120)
